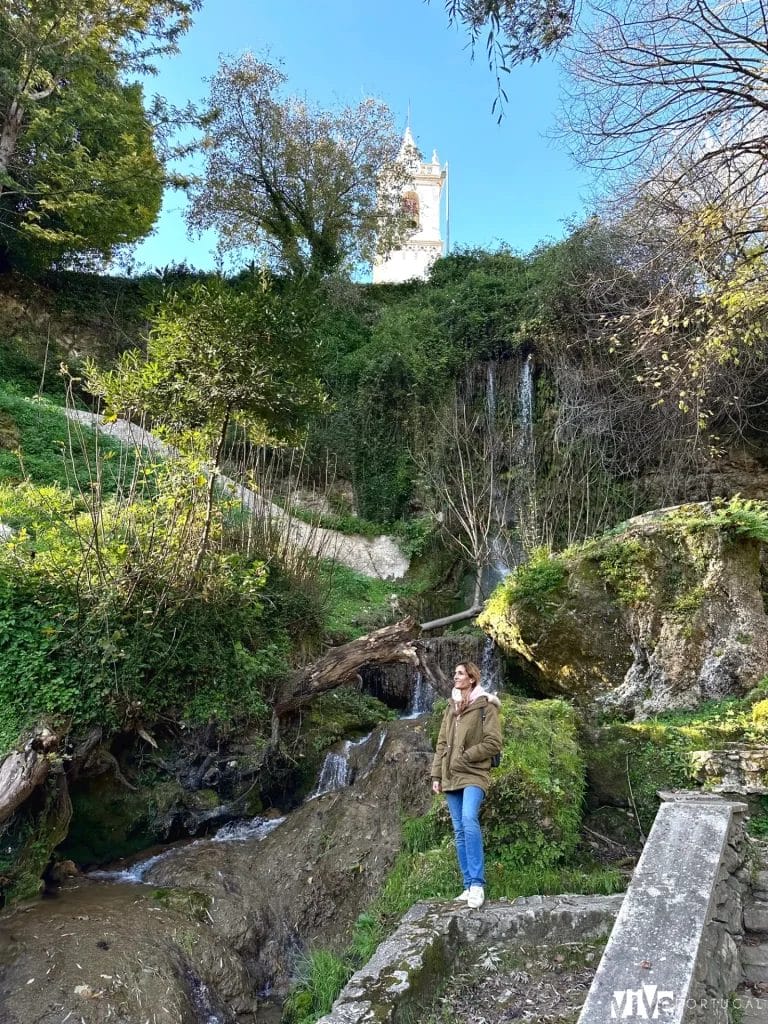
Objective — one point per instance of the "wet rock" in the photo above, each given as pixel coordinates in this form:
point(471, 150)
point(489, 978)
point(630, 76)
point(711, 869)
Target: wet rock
point(54, 960)
point(334, 851)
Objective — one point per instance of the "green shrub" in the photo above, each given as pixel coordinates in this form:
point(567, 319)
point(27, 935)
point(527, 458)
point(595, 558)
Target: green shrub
point(734, 517)
point(534, 803)
point(628, 763)
point(534, 584)
point(624, 564)
point(339, 714)
point(123, 628)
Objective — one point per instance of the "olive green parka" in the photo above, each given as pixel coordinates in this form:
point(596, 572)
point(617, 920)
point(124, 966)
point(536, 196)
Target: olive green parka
point(466, 743)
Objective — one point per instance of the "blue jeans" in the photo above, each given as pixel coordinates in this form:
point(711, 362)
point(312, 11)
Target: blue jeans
point(464, 807)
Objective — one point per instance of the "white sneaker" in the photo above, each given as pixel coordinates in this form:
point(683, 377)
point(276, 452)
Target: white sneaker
point(476, 897)
point(462, 897)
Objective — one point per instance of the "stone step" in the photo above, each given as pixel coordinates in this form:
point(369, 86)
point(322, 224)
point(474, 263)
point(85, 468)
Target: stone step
point(756, 916)
point(751, 1008)
point(754, 961)
point(760, 884)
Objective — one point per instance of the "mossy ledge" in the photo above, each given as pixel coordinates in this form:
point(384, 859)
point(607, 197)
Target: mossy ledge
point(664, 612)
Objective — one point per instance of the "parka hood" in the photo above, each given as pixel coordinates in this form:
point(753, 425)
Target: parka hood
point(478, 692)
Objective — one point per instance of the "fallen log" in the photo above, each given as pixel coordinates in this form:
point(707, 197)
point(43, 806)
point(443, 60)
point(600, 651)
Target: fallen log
point(449, 620)
point(24, 770)
point(339, 665)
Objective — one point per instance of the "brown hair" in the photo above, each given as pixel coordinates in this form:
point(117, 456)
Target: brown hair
point(472, 671)
point(475, 675)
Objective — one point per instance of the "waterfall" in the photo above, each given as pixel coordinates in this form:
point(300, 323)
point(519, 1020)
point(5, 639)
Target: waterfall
point(202, 1001)
point(135, 873)
point(257, 827)
point(233, 831)
point(525, 405)
point(490, 667)
point(250, 828)
point(336, 772)
point(422, 699)
point(490, 391)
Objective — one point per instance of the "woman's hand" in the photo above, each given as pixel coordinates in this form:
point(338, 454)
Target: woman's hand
point(436, 787)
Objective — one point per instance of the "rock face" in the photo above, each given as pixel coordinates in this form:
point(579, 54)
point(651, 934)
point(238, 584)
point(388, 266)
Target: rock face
point(313, 874)
point(738, 768)
point(665, 613)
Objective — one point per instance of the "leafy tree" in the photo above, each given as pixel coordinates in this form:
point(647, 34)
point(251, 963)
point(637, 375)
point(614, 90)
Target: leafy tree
point(662, 91)
point(514, 31)
point(217, 357)
point(78, 170)
point(306, 187)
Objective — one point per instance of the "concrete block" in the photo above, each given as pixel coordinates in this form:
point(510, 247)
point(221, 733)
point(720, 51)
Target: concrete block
point(409, 965)
point(652, 956)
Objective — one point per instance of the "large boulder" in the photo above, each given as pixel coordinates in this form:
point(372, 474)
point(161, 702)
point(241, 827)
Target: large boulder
point(665, 612)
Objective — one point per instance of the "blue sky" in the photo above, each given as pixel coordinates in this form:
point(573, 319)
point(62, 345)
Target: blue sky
point(509, 183)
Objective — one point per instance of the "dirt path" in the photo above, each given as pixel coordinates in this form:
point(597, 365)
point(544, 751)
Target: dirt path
point(379, 558)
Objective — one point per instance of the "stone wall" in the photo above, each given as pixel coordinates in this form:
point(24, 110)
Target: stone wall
point(409, 967)
point(718, 969)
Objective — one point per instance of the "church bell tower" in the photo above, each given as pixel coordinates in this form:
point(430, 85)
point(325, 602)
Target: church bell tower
point(421, 203)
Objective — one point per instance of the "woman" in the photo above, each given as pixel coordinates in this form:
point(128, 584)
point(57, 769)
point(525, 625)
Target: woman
point(470, 735)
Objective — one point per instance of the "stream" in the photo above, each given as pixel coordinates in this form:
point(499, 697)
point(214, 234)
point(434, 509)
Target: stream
point(208, 931)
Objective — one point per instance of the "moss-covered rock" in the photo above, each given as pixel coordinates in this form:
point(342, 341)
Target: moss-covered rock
point(534, 804)
point(111, 821)
point(628, 763)
point(533, 808)
point(665, 612)
point(28, 839)
point(340, 714)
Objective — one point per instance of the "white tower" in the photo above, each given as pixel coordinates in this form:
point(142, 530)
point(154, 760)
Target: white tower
point(421, 201)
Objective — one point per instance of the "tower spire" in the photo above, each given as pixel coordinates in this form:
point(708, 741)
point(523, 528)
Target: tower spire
point(420, 203)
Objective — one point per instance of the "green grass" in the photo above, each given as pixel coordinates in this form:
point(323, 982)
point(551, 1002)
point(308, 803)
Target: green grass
point(31, 367)
point(38, 443)
point(321, 975)
point(356, 604)
point(343, 522)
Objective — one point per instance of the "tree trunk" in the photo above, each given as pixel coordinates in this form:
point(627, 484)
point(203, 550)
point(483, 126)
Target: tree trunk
point(448, 620)
point(9, 136)
point(23, 770)
point(396, 643)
